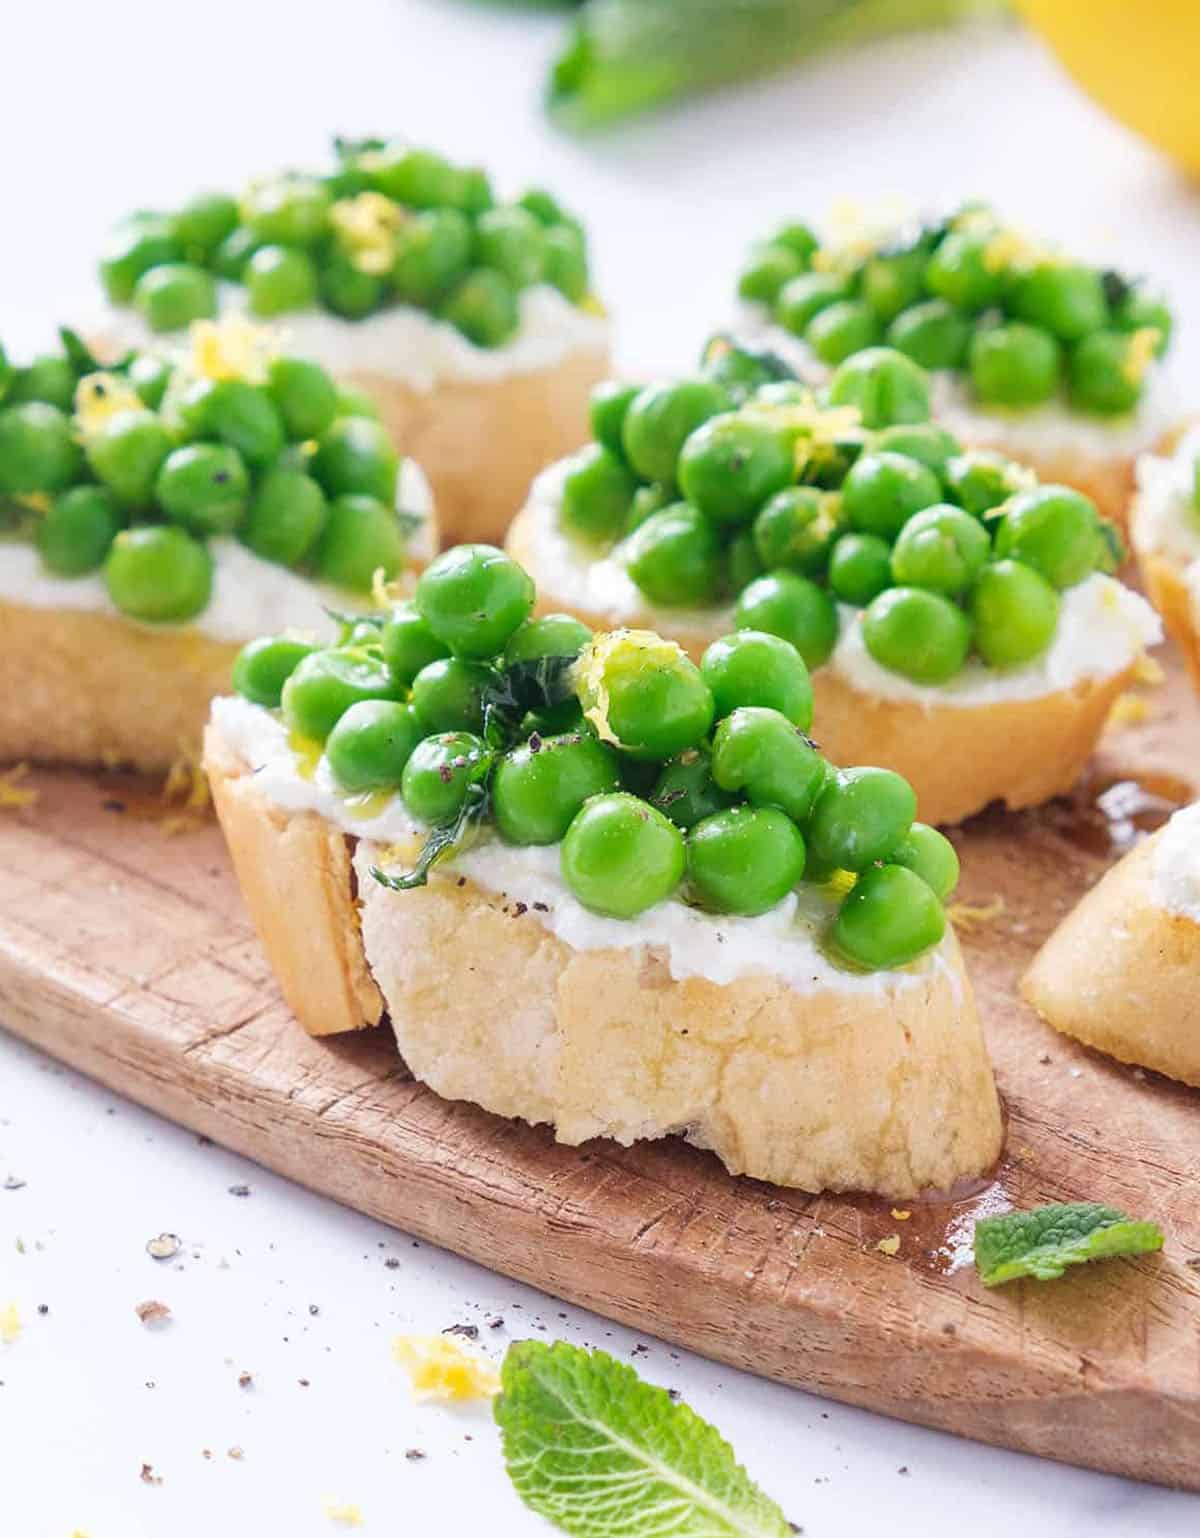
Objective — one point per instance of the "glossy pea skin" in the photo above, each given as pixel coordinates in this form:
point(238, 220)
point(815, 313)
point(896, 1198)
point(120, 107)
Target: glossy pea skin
point(860, 816)
point(885, 385)
point(38, 451)
point(803, 297)
point(609, 402)
point(742, 563)
point(1055, 530)
point(930, 855)
point(230, 258)
point(203, 487)
point(882, 491)
point(794, 607)
point(510, 240)
point(539, 787)
point(796, 529)
point(126, 453)
point(264, 665)
point(675, 557)
point(894, 281)
point(433, 253)
point(149, 376)
point(799, 238)
point(370, 745)
point(439, 772)
point(888, 918)
point(652, 696)
point(408, 643)
point(347, 291)
point(304, 395)
point(931, 333)
point(744, 860)
point(204, 222)
point(731, 464)
point(620, 856)
point(1140, 309)
point(1103, 375)
point(564, 263)
point(419, 177)
point(245, 417)
point(925, 442)
point(360, 537)
point(841, 329)
point(760, 753)
point(473, 597)
point(1064, 298)
point(916, 633)
point(980, 480)
point(134, 247)
point(326, 683)
point(75, 535)
point(285, 516)
point(940, 548)
point(770, 266)
point(859, 568)
point(484, 307)
point(685, 790)
point(356, 454)
point(752, 667)
point(175, 294)
point(1014, 364)
point(448, 694)
point(961, 272)
point(550, 635)
point(279, 279)
point(352, 402)
point(596, 494)
point(647, 500)
point(287, 210)
point(1014, 611)
point(158, 574)
point(50, 378)
point(660, 419)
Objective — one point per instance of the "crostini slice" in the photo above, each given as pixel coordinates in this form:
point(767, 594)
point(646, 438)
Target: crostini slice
point(1166, 539)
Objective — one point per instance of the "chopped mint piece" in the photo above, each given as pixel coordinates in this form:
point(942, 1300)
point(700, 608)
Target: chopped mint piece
point(601, 1454)
point(1044, 1242)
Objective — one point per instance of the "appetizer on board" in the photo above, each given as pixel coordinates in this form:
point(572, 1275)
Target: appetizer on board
point(595, 885)
point(1120, 972)
point(1047, 358)
point(157, 514)
point(961, 619)
point(470, 322)
point(1165, 530)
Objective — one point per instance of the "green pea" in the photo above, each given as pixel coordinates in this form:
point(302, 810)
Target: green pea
point(1015, 614)
point(744, 860)
point(357, 455)
point(149, 375)
point(1014, 364)
point(1140, 310)
point(126, 453)
point(539, 787)
point(361, 537)
point(510, 240)
point(371, 744)
point(940, 548)
point(742, 564)
point(353, 402)
point(1056, 531)
point(760, 753)
point(285, 517)
point(243, 416)
point(433, 253)
point(800, 239)
point(796, 529)
point(564, 263)
point(893, 281)
point(439, 773)
point(888, 918)
point(544, 207)
point(1106, 373)
point(204, 487)
point(204, 222)
point(675, 557)
point(347, 290)
point(801, 298)
point(794, 607)
point(741, 368)
point(961, 271)
point(647, 500)
point(859, 817)
point(279, 279)
point(175, 294)
point(916, 633)
point(158, 574)
point(324, 685)
point(50, 378)
point(551, 635)
point(882, 491)
point(408, 643)
point(38, 451)
point(74, 536)
point(230, 258)
point(860, 568)
point(924, 441)
point(420, 178)
point(620, 856)
point(606, 413)
point(660, 419)
point(839, 330)
point(930, 855)
point(7, 373)
point(685, 790)
point(264, 665)
point(981, 480)
point(287, 210)
point(771, 265)
point(596, 494)
point(731, 464)
point(305, 397)
point(751, 667)
point(1064, 298)
point(140, 243)
point(484, 308)
point(644, 694)
point(884, 385)
point(473, 597)
point(448, 694)
point(932, 333)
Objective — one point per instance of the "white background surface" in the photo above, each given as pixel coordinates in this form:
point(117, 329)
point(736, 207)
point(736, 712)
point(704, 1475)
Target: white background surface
point(108, 107)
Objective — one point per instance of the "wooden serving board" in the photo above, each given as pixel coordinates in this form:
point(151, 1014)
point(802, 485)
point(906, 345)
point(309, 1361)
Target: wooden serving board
point(127, 953)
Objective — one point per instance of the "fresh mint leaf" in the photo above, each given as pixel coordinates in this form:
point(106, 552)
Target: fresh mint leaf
point(1042, 1243)
point(536, 683)
point(601, 1454)
point(445, 838)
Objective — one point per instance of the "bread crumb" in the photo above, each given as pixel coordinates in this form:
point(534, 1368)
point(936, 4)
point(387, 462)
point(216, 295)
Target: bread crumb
point(890, 1245)
point(152, 1312)
point(345, 1512)
point(901, 1214)
point(13, 795)
point(185, 795)
point(439, 1368)
point(968, 916)
point(10, 1323)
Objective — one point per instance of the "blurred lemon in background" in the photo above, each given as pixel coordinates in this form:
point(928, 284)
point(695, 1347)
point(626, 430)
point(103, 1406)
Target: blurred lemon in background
point(1138, 58)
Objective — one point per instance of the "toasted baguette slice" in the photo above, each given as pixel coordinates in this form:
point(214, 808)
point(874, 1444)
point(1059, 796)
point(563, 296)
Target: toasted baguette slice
point(1170, 595)
point(884, 1089)
point(1121, 973)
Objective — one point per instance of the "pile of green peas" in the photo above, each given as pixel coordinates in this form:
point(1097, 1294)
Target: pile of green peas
point(300, 471)
point(967, 294)
point(656, 777)
point(737, 484)
point(388, 224)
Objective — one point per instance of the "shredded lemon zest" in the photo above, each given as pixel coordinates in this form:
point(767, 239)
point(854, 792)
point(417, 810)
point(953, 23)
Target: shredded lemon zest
point(1140, 353)
point(384, 593)
point(854, 230)
point(232, 348)
point(100, 397)
point(592, 669)
point(1129, 710)
point(969, 916)
point(841, 882)
point(592, 304)
point(1149, 671)
point(367, 225)
point(345, 1512)
point(890, 1245)
point(439, 1368)
point(1009, 248)
point(14, 796)
point(10, 1323)
point(35, 501)
point(901, 1214)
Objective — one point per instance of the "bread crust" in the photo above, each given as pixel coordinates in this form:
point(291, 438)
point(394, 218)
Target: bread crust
point(957, 758)
point(888, 1091)
point(1169, 594)
point(1120, 973)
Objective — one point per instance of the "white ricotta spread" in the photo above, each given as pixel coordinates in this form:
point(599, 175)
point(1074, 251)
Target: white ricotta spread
point(250, 596)
point(1166, 519)
point(400, 342)
point(1176, 864)
point(720, 948)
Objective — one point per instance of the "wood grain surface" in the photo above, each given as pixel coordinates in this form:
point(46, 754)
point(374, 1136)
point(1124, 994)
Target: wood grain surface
point(126, 952)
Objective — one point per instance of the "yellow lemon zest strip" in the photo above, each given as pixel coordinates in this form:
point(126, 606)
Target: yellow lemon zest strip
point(439, 1368)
